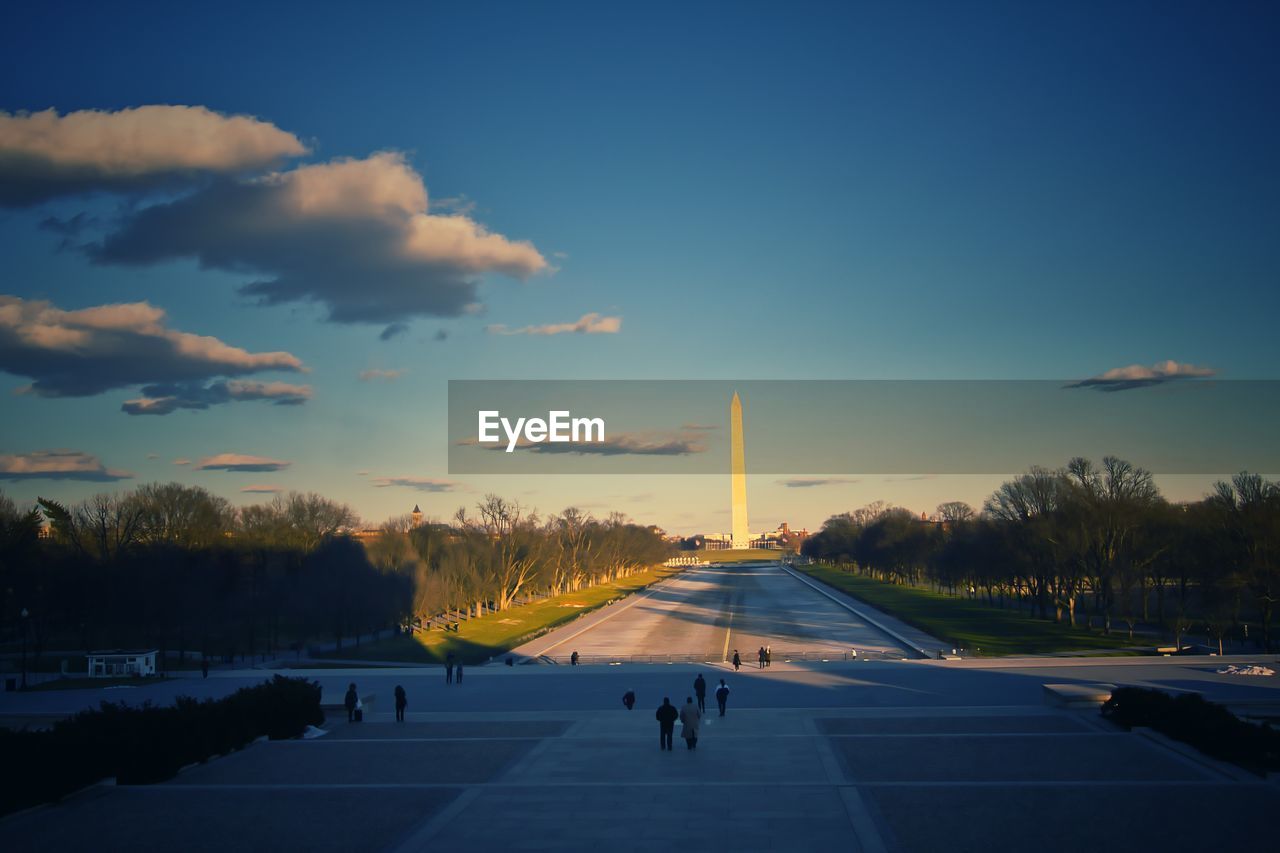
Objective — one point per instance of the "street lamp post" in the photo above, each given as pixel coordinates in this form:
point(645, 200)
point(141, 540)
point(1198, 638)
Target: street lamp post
point(23, 623)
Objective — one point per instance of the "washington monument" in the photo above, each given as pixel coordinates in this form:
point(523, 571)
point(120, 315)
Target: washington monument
point(738, 476)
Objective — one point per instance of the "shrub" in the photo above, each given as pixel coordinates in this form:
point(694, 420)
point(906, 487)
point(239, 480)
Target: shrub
point(1192, 719)
point(145, 744)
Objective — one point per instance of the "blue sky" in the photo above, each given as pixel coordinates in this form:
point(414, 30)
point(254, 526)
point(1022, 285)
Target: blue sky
point(851, 190)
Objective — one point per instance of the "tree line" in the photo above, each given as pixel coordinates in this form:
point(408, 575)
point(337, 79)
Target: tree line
point(1086, 542)
point(178, 568)
point(502, 554)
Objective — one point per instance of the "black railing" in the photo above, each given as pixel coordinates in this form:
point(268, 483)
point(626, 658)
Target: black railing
point(748, 662)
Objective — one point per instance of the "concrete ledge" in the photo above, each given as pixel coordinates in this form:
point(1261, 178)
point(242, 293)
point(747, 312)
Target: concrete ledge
point(1077, 695)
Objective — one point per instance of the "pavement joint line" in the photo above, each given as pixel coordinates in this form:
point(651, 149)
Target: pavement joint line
point(420, 837)
point(526, 761)
point(862, 821)
point(954, 735)
point(574, 728)
point(1065, 783)
point(705, 783)
point(728, 631)
point(830, 761)
point(407, 739)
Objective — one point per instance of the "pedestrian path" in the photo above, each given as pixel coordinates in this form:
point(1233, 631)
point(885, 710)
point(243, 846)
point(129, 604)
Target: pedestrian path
point(877, 778)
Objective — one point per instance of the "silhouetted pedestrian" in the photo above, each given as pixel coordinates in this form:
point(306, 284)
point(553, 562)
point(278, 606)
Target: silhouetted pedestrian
point(204, 667)
point(760, 655)
point(459, 672)
point(737, 661)
point(573, 659)
point(768, 656)
point(700, 690)
point(352, 699)
point(666, 716)
point(722, 695)
point(689, 719)
point(629, 699)
point(448, 669)
point(401, 702)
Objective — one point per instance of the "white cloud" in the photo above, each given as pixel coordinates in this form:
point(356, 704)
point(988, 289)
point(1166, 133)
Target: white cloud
point(353, 235)
point(240, 462)
point(374, 374)
point(73, 354)
point(1140, 376)
point(44, 155)
point(811, 482)
point(88, 351)
point(163, 399)
point(57, 465)
point(422, 484)
point(587, 324)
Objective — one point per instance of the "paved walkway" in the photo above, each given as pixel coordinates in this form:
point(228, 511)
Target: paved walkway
point(921, 756)
point(711, 611)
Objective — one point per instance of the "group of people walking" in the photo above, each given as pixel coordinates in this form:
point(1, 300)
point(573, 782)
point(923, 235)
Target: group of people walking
point(689, 716)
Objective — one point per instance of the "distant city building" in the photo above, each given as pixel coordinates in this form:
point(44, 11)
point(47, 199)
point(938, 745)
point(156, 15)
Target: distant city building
point(367, 534)
point(781, 539)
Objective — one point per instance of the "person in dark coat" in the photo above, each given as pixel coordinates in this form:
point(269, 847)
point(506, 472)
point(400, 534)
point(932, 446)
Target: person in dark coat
point(722, 695)
point(402, 701)
point(573, 659)
point(629, 699)
point(737, 661)
point(760, 654)
point(666, 716)
point(352, 699)
point(459, 672)
point(448, 669)
point(700, 690)
point(689, 720)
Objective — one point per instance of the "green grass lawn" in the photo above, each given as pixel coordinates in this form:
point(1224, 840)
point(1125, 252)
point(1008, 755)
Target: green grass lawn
point(736, 555)
point(972, 624)
point(493, 634)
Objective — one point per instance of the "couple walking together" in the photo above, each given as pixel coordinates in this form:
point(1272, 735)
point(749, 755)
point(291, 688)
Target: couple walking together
point(689, 718)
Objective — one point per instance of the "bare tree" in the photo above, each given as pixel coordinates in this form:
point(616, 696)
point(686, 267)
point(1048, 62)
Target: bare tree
point(955, 512)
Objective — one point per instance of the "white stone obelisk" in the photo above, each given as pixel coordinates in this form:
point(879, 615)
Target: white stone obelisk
point(738, 475)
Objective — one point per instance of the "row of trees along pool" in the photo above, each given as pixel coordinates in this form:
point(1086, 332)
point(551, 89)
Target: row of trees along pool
point(177, 568)
point(1087, 542)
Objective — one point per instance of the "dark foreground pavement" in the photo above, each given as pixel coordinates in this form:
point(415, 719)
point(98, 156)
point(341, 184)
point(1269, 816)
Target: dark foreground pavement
point(904, 757)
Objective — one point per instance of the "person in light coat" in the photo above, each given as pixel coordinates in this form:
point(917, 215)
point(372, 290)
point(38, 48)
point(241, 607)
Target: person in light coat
point(689, 719)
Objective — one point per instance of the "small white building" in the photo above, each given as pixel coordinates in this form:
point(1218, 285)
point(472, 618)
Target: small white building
point(118, 662)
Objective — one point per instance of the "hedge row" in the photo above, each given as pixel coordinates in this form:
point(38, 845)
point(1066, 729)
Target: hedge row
point(141, 745)
point(1207, 726)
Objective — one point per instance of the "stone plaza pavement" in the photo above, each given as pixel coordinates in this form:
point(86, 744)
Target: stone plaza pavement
point(847, 757)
